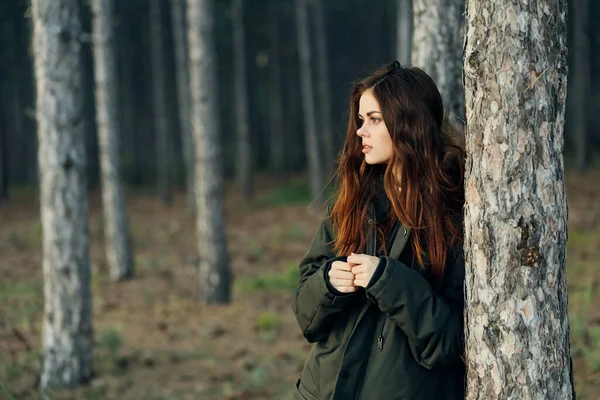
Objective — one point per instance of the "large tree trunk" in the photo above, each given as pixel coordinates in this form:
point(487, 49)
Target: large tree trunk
point(244, 161)
point(159, 96)
point(183, 97)
point(582, 80)
point(116, 229)
point(277, 152)
point(437, 48)
point(308, 105)
point(404, 30)
point(67, 324)
point(215, 279)
point(517, 329)
point(325, 120)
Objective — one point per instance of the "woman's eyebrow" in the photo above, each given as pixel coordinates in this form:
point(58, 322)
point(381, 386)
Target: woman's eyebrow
point(370, 113)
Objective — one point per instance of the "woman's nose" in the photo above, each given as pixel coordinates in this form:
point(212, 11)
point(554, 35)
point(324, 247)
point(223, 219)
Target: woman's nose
point(361, 131)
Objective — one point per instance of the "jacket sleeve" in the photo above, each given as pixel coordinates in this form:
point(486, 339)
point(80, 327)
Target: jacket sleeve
point(315, 302)
point(432, 321)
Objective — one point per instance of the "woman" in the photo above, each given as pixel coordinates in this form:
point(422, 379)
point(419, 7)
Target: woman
point(381, 287)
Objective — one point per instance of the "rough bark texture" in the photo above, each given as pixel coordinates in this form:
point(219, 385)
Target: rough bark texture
point(517, 330)
point(437, 48)
point(116, 224)
point(277, 154)
point(67, 324)
point(324, 102)
point(183, 97)
point(308, 105)
point(163, 144)
point(582, 79)
point(215, 274)
point(244, 161)
point(404, 30)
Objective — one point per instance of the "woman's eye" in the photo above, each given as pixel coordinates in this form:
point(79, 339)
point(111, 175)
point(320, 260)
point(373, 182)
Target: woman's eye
point(376, 120)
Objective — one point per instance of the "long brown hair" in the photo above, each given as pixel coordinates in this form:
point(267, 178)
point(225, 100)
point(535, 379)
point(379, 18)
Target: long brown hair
point(427, 164)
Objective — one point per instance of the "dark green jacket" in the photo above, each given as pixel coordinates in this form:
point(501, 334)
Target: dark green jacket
point(398, 339)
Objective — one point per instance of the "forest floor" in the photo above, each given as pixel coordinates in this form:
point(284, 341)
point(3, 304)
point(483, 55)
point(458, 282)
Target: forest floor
point(153, 339)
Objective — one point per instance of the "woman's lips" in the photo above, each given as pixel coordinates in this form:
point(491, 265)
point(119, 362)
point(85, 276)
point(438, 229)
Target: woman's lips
point(366, 149)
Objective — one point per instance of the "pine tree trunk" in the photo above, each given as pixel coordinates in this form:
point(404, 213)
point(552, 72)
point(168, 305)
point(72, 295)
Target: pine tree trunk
point(183, 97)
point(3, 156)
point(404, 30)
point(517, 328)
point(116, 229)
point(244, 161)
point(67, 323)
point(325, 121)
point(582, 79)
point(215, 279)
point(308, 106)
point(437, 48)
point(163, 144)
point(276, 148)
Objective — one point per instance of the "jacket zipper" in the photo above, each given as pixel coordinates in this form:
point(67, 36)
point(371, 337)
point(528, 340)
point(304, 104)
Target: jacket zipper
point(381, 337)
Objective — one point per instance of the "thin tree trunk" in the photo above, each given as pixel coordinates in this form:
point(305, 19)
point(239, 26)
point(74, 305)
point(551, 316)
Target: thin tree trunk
point(132, 168)
point(517, 327)
point(183, 97)
point(244, 161)
point(582, 79)
point(276, 148)
point(437, 48)
point(215, 276)
point(404, 30)
point(67, 323)
point(325, 121)
point(116, 229)
point(306, 81)
point(3, 155)
point(163, 143)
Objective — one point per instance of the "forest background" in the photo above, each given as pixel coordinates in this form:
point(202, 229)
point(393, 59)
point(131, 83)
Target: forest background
point(153, 338)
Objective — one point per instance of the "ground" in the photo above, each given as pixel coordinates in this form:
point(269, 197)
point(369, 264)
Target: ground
point(154, 339)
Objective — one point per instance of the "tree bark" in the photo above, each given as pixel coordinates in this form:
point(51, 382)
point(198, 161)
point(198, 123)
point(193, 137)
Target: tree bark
point(244, 161)
point(163, 143)
point(215, 279)
point(323, 92)
point(183, 96)
point(582, 80)
point(404, 30)
point(306, 81)
point(276, 148)
point(517, 328)
point(437, 48)
point(116, 229)
point(3, 156)
point(67, 323)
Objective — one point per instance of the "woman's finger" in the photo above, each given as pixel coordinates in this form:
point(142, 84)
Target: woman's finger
point(340, 265)
point(335, 273)
point(341, 282)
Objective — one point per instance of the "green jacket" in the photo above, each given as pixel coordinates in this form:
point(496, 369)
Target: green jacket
point(398, 339)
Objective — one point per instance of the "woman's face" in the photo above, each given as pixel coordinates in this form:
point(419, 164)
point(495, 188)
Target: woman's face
point(376, 140)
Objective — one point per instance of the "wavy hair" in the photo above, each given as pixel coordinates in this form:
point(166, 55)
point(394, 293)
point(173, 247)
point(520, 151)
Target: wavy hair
point(424, 179)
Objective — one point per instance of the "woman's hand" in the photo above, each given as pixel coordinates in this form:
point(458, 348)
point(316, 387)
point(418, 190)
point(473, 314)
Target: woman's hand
point(363, 267)
point(341, 277)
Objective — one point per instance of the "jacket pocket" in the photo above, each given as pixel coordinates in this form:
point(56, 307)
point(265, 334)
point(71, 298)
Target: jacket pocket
point(302, 394)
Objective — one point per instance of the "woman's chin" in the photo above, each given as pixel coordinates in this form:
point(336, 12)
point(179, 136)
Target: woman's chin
point(374, 160)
